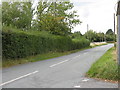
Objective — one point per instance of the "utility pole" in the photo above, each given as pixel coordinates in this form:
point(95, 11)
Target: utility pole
point(114, 23)
point(87, 27)
point(114, 31)
point(87, 31)
point(118, 31)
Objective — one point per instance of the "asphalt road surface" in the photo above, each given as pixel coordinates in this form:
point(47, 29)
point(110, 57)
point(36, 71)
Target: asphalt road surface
point(61, 72)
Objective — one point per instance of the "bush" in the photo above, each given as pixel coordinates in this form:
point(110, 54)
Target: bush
point(19, 44)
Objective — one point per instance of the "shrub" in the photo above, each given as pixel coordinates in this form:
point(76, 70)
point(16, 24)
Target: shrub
point(19, 44)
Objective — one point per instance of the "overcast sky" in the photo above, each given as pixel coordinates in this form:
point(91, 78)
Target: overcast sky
point(97, 13)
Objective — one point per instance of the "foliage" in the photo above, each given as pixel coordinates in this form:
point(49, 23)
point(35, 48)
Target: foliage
point(109, 32)
point(76, 34)
point(110, 36)
point(24, 36)
point(99, 37)
point(54, 18)
point(93, 36)
point(22, 44)
point(17, 14)
point(80, 43)
point(39, 57)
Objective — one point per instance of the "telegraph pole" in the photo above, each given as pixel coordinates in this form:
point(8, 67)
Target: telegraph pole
point(114, 31)
point(114, 23)
point(87, 31)
point(87, 27)
point(118, 31)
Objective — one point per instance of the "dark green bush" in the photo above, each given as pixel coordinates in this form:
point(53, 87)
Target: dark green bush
point(19, 44)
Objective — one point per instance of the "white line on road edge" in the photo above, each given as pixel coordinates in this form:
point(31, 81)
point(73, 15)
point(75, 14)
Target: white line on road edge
point(77, 86)
point(59, 63)
point(18, 78)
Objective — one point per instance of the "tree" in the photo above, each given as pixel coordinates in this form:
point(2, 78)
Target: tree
point(53, 17)
point(76, 34)
point(94, 36)
point(109, 32)
point(91, 35)
point(100, 37)
point(110, 36)
point(18, 14)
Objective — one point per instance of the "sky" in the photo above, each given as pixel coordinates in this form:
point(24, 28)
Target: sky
point(98, 14)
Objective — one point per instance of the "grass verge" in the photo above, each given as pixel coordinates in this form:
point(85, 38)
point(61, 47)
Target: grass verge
point(39, 57)
point(106, 68)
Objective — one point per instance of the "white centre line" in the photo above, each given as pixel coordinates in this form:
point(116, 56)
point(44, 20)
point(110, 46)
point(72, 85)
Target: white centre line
point(84, 53)
point(18, 78)
point(77, 86)
point(59, 63)
point(85, 80)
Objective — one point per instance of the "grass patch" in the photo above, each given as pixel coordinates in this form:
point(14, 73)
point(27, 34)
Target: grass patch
point(106, 67)
point(39, 57)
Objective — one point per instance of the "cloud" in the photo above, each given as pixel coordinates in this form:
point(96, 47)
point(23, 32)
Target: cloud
point(97, 13)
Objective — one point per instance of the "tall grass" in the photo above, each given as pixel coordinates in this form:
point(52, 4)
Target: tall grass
point(106, 67)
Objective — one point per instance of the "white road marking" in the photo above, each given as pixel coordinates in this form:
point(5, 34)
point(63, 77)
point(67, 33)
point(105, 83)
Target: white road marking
point(59, 63)
point(76, 56)
point(85, 80)
point(65, 60)
point(84, 53)
point(77, 86)
point(18, 78)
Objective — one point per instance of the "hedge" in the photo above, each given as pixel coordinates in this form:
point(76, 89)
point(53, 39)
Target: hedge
point(20, 44)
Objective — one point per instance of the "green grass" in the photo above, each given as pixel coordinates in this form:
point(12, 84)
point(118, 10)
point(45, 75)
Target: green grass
point(106, 67)
point(40, 57)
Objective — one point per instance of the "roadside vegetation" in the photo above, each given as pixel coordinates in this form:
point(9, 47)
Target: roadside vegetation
point(23, 44)
point(106, 68)
point(47, 35)
point(93, 36)
point(43, 30)
point(39, 57)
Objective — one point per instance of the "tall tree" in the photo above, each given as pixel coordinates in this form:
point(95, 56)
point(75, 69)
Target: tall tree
point(110, 32)
point(18, 14)
point(53, 17)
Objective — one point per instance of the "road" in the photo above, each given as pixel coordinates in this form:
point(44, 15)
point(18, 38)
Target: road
point(62, 72)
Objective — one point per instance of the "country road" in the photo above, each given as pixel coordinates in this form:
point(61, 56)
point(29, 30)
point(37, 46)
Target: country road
point(61, 72)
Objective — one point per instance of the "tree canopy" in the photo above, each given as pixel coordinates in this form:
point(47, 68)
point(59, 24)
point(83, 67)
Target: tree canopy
point(53, 17)
point(110, 32)
point(17, 14)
